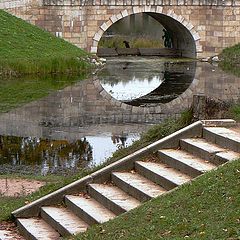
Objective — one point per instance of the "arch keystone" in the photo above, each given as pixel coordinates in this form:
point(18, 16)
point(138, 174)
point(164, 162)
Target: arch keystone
point(136, 9)
point(97, 37)
point(153, 8)
point(113, 18)
point(159, 9)
point(95, 43)
point(147, 8)
point(170, 13)
point(124, 13)
point(196, 36)
point(104, 27)
point(185, 23)
point(93, 50)
point(174, 16)
point(189, 26)
point(180, 18)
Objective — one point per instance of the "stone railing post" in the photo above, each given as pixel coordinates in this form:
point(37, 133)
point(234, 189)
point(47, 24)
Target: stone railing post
point(199, 106)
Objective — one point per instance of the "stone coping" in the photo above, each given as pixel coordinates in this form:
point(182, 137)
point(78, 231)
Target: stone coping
point(140, 3)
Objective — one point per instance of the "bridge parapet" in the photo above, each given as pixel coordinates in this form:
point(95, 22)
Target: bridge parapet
point(141, 2)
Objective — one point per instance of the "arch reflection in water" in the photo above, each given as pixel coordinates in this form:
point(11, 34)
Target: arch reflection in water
point(146, 81)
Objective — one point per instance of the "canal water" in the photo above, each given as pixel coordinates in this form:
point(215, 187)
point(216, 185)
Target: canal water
point(84, 123)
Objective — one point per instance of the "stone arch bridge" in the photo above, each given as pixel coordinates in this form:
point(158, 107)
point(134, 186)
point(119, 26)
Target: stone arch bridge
point(201, 27)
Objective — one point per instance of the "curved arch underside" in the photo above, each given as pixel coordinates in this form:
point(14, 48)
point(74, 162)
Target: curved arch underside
point(182, 38)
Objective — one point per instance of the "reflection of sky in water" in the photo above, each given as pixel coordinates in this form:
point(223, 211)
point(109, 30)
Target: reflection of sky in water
point(59, 155)
point(104, 146)
point(132, 89)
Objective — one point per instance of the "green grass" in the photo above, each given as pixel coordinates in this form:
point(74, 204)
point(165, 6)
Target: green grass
point(15, 92)
point(26, 49)
point(134, 42)
point(231, 60)
point(48, 178)
point(207, 208)
point(234, 112)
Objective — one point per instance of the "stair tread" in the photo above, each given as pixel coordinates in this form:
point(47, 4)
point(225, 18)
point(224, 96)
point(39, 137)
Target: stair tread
point(225, 132)
point(67, 219)
point(229, 155)
point(92, 208)
point(167, 172)
point(137, 181)
point(116, 195)
point(203, 144)
point(39, 228)
point(189, 159)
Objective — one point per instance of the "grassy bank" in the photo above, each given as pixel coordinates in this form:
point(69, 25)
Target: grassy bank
point(207, 208)
point(14, 92)
point(231, 60)
point(26, 49)
point(234, 112)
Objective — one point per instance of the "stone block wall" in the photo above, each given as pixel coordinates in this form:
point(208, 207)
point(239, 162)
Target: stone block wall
point(212, 25)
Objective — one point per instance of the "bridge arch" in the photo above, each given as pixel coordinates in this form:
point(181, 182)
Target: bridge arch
point(186, 38)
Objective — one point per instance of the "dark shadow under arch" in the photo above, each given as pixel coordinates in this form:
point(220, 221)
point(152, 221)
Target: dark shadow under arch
point(182, 38)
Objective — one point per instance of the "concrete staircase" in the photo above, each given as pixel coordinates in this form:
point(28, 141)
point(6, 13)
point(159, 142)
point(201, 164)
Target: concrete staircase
point(126, 183)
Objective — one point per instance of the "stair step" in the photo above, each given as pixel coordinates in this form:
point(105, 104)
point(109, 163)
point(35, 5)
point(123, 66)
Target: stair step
point(162, 174)
point(113, 198)
point(185, 162)
point(63, 220)
point(88, 209)
point(224, 137)
point(203, 149)
point(36, 229)
point(136, 185)
point(228, 155)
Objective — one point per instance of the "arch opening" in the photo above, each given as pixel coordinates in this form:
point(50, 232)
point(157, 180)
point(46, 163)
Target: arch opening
point(184, 38)
point(135, 31)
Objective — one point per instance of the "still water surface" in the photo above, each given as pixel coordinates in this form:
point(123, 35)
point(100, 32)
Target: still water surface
point(146, 81)
point(77, 127)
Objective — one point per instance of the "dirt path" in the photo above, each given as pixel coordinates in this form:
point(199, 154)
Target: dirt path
point(8, 231)
point(18, 187)
point(15, 188)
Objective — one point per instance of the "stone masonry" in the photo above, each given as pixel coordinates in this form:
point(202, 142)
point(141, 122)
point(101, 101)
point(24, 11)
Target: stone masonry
point(201, 27)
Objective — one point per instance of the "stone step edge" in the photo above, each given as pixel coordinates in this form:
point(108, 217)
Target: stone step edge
point(218, 123)
point(188, 182)
point(171, 141)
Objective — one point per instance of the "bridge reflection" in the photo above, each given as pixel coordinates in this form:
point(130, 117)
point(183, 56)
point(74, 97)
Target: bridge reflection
point(87, 104)
point(83, 117)
point(156, 82)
